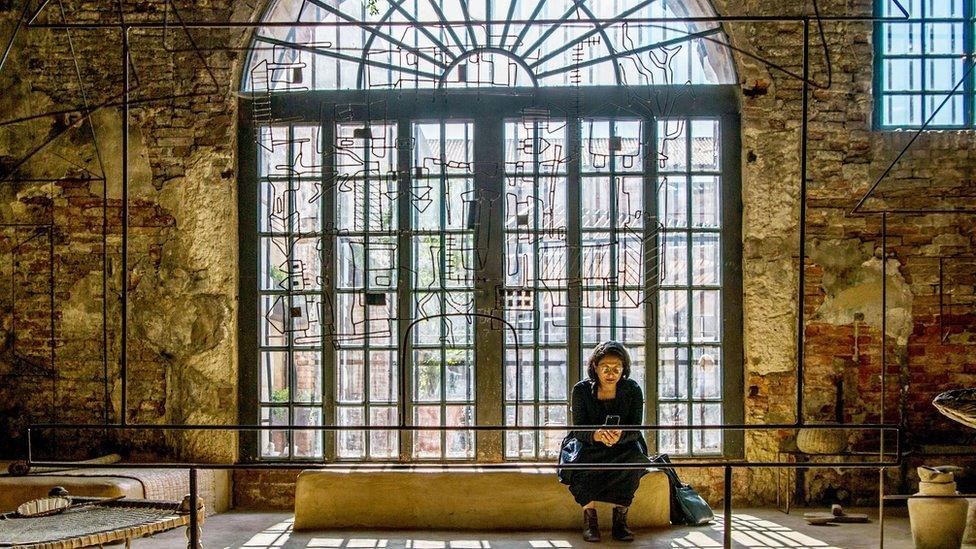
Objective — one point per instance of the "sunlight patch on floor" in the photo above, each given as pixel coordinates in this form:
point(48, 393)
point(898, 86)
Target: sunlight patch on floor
point(750, 532)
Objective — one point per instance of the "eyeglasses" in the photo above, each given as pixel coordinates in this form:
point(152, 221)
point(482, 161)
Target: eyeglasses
point(614, 370)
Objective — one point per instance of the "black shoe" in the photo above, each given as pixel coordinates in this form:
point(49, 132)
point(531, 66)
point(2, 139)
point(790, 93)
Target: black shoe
point(620, 530)
point(591, 529)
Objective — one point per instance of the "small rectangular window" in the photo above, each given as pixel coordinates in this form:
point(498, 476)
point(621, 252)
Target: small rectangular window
point(921, 64)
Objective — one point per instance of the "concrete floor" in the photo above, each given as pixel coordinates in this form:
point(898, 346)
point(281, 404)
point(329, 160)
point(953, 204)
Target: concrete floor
point(752, 529)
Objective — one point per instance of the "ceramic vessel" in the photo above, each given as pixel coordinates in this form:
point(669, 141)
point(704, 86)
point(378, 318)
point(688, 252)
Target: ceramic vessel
point(937, 523)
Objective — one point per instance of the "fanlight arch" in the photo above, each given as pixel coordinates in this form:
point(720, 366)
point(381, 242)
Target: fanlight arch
point(404, 44)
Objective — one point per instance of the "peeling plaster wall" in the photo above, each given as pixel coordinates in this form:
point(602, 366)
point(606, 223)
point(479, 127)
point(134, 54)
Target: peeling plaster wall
point(183, 242)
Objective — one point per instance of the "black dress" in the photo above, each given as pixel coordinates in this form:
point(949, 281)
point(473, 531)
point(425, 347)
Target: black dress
point(609, 486)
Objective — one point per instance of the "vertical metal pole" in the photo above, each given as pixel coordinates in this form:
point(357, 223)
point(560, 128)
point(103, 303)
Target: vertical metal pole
point(727, 518)
point(881, 515)
point(884, 367)
point(884, 316)
point(194, 519)
point(803, 221)
point(125, 220)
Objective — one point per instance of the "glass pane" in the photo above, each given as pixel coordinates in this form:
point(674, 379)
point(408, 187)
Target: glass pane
point(383, 444)
point(552, 318)
point(707, 317)
point(707, 379)
point(427, 384)
point(383, 376)
point(706, 200)
point(306, 265)
point(525, 370)
point(308, 444)
point(350, 263)
point(275, 321)
point(552, 372)
point(943, 38)
point(949, 114)
point(460, 444)
point(903, 110)
point(427, 444)
point(597, 264)
point(520, 444)
point(552, 415)
point(705, 145)
point(630, 320)
point(459, 375)
point(627, 146)
point(274, 376)
point(673, 442)
point(706, 441)
point(942, 74)
point(596, 146)
point(275, 271)
point(308, 376)
point(672, 145)
point(351, 376)
point(350, 444)
point(274, 444)
point(674, 263)
point(673, 326)
point(672, 205)
point(596, 202)
point(706, 258)
point(630, 202)
point(902, 75)
point(672, 371)
point(902, 39)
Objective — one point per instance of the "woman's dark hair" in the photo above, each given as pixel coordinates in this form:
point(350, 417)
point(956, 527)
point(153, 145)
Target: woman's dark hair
point(611, 348)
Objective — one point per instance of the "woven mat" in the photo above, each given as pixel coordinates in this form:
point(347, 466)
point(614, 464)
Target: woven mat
point(89, 521)
point(158, 484)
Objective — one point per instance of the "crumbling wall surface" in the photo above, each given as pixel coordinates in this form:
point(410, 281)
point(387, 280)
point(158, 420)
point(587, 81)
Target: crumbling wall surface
point(843, 266)
point(183, 238)
point(61, 200)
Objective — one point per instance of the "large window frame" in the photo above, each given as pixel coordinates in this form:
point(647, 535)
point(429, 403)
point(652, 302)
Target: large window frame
point(915, 61)
point(488, 113)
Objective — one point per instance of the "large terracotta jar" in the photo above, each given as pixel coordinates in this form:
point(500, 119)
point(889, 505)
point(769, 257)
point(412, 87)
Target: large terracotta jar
point(937, 523)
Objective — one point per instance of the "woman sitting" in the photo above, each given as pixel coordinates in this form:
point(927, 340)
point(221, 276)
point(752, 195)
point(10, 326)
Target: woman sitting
point(608, 397)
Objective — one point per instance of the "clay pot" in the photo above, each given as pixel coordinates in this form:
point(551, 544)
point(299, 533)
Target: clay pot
point(821, 441)
point(937, 523)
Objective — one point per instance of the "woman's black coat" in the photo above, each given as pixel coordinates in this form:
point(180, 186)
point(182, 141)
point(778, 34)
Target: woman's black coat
point(610, 486)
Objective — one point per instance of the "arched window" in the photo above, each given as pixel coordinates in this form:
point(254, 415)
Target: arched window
point(483, 190)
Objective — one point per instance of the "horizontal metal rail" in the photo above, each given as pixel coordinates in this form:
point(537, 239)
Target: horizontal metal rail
point(466, 466)
point(527, 22)
point(730, 427)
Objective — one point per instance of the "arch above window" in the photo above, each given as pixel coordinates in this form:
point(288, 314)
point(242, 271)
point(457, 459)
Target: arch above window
point(405, 44)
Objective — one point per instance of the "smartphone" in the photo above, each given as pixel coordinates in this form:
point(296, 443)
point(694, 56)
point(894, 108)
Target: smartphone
point(612, 420)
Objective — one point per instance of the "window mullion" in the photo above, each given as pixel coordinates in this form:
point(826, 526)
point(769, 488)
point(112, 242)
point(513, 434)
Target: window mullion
point(404, 283)
point(328, 263)
point(489, 151)
point(652, 257)
point(574, 351)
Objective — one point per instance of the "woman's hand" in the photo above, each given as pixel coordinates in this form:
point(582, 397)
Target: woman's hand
point(608, 437)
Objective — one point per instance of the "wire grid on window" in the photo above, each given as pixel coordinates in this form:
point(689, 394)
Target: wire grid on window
point(534, 296)
point(443, 200)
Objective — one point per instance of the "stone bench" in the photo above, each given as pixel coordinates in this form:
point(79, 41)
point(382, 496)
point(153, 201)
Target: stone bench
point(460, 499)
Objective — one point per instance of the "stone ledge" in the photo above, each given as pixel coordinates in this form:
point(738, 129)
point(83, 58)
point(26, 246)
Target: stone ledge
point(460, 499)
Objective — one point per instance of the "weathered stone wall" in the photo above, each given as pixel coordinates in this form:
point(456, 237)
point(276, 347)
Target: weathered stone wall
point(182, 230)
point(183, 241)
